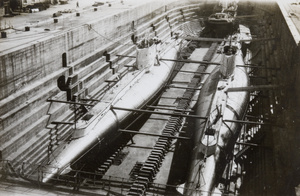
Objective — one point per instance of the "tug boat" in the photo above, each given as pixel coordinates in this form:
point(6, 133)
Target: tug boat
point(215, 137)
point(220, 24)
point(220, 18)
point(100, 125)
point(222, 21)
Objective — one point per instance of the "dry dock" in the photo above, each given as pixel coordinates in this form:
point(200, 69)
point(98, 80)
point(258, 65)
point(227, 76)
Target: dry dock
point(74, 45)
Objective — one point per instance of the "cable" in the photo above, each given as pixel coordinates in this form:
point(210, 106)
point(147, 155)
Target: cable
point(118, 42)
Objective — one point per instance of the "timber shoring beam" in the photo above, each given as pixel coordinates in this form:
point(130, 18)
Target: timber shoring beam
point(191, 61)
point(161, 113)
point(165, 108)
point(129, 66)
point(254, 77)
point(61, 122)
point(254, 88)
point(90, 100)
point(247, 144)
point(246, 122)
point(119, 55)
point(203, 39)
point(152, 134)
point(193, 72)
point(176, 60)
point(255, 66)
point(182, 87)
point(111, 81)
point(69, 102)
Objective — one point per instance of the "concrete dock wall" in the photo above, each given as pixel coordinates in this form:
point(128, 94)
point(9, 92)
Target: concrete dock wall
point(274, 167)
point(286, 136)
point(29, 72)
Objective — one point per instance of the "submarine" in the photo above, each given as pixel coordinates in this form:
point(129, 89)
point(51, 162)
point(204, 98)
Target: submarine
point(215, 137)
point(100, 125)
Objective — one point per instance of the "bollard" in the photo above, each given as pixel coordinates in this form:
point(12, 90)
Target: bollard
point(27, 28)
point(3, 34)
point(77, 14)
point(55, 20)
point(95, 9)
point(109, 5)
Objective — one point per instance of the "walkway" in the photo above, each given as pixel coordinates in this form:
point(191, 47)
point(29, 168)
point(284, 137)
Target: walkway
point(42, 24)
point(291, 11)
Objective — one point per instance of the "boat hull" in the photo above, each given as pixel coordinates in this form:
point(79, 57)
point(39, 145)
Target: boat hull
point(208, 162)
point(104, 127)
point(220, 29)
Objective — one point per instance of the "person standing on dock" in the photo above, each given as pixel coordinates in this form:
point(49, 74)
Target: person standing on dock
point(77, 4)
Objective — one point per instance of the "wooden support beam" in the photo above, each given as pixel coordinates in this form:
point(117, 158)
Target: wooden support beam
point(69, 102)
point(164, 97)
point(155, 112)
point(60, 122)
point(165, 108)
point(247, 144)
point(262, 77)
point(255, 66)
point(129, 66)
point(163, 119)
point(119, 55)
point(253, 88)
point(251, 116)
point(90, 100)
point(246, 122)
point(182, 87)
point(191, 61)
point(166, 105)
point(203, 39)
point(111, 81)
point(152, 134)
point(194, 72)
point(251, 16)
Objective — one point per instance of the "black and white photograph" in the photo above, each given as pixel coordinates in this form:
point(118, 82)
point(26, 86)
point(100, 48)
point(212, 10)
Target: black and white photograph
point(149, 97)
